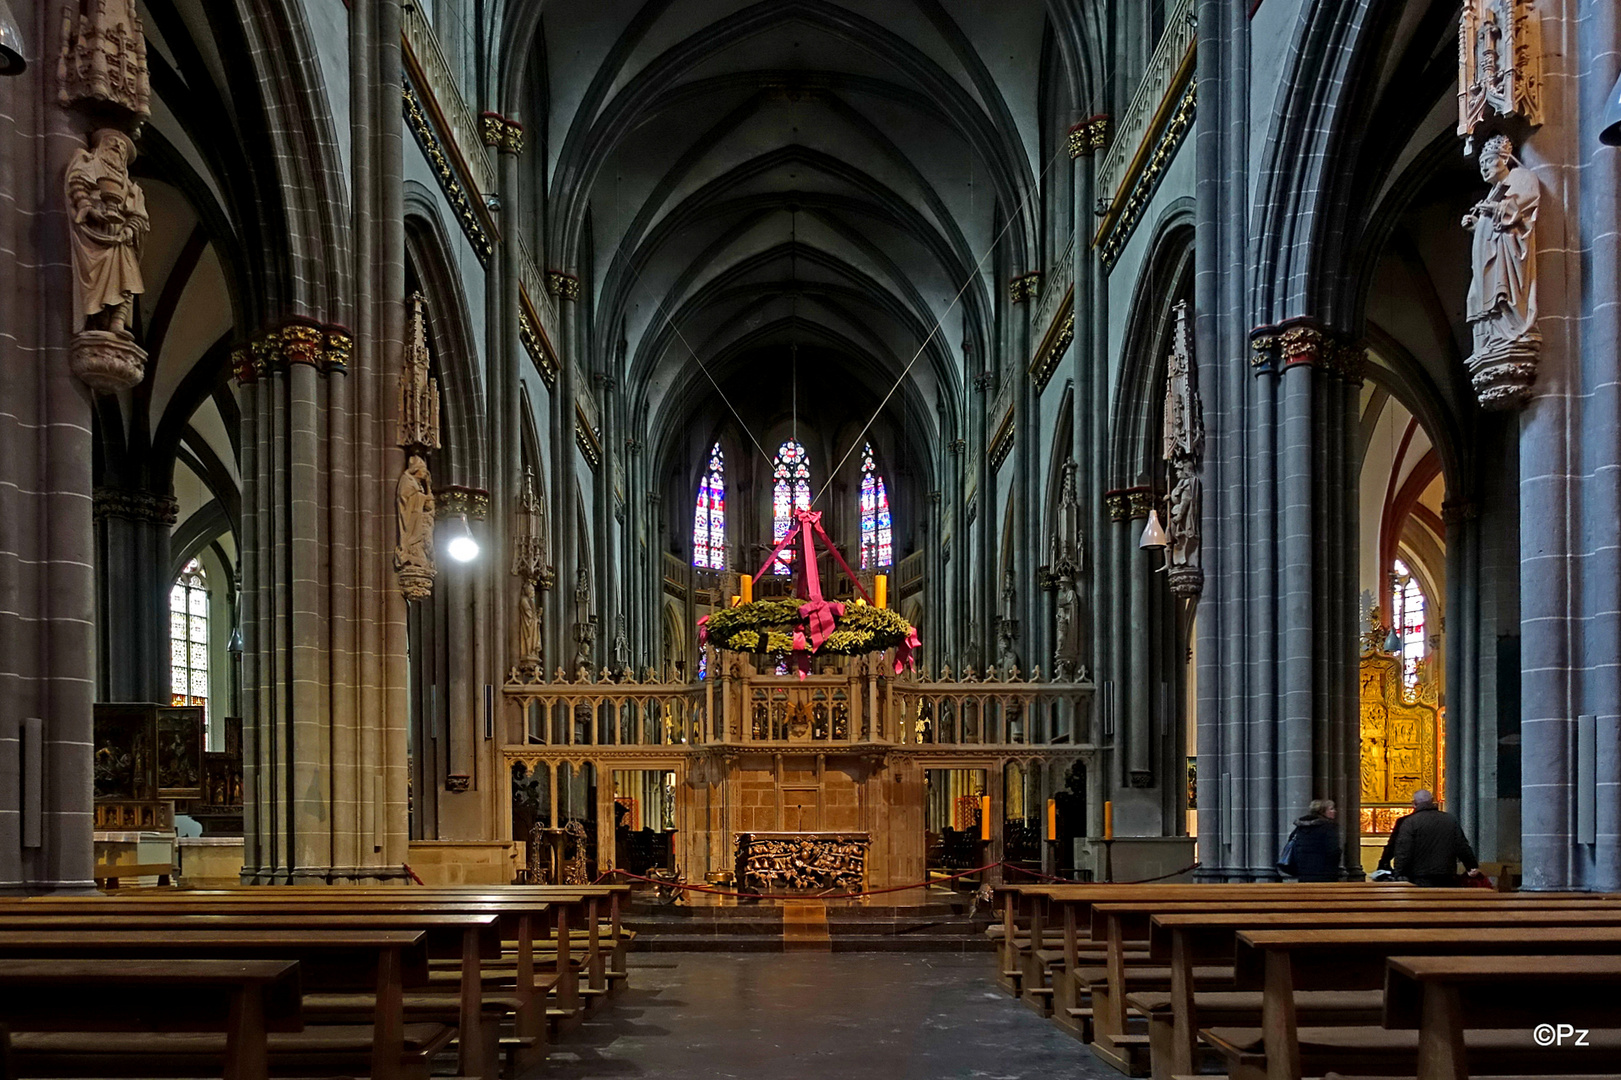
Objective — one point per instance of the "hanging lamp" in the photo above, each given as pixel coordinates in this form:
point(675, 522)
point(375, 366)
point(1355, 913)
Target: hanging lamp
point(12, 60)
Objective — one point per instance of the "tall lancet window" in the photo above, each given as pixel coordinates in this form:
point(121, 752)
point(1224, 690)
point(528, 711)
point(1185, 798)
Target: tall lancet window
point(709, 519)
point(188, 637)
point(790, 492)
point(1407, 603)
point(876, 546)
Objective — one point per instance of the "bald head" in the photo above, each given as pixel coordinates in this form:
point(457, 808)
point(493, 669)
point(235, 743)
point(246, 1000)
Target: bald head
point(1423, 800)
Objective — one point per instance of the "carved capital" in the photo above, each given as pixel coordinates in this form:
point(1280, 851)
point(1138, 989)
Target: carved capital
point(1457, 511)
point(1139, 502)
point(340, 346)
point(458, 501)
point(492, 127)
point(133, 505)
point(1116, 503)
point(984, 381)
point(1263, 349)
point(1089, 136)
point(1301, 343)
point(1027, 287)
point(301, 343)
point(563, 286)
point(244, 365)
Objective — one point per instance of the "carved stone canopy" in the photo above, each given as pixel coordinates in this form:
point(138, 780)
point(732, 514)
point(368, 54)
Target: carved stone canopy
point(419, 392)
point(102, 66)
point(1499, 65)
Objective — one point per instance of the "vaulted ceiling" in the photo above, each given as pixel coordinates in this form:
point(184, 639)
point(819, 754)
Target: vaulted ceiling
point(731, 179)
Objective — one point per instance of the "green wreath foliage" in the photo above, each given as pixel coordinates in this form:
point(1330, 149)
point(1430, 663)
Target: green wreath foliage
point(767, 626)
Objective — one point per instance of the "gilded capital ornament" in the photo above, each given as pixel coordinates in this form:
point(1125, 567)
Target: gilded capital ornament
point(1089, 136)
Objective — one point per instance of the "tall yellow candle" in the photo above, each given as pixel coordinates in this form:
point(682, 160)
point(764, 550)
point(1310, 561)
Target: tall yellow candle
point(880, 590)
point(1108, 821)
point(984, 817)
point(748, 589)
point(1052, 819)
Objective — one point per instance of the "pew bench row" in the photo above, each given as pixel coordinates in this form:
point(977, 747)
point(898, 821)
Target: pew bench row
point(387, 978)
point(1163, 980)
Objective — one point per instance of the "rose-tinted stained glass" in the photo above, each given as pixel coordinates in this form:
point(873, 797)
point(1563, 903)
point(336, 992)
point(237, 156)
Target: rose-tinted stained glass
point(877, 544)
point(790, 492)
point(709, 517)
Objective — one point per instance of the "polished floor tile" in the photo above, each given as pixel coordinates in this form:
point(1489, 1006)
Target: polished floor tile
point(788, 1016)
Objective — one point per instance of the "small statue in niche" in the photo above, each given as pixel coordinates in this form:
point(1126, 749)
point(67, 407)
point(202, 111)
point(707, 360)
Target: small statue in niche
point(528, 628)
point(414, 518)
point(1502, 307)
point(585, 623)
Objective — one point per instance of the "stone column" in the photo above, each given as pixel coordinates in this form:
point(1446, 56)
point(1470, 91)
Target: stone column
point(47, 645)
point(132, 631)
point(1570, 687)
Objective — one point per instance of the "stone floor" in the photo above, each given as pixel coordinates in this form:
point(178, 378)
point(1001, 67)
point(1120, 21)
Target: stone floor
point(806, 1016)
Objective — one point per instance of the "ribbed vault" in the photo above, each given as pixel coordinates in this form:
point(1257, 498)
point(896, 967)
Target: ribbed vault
point(732, 180)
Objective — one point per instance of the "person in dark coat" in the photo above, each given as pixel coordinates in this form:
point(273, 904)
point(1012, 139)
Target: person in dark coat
point(1430, 844)
point(1317, 844)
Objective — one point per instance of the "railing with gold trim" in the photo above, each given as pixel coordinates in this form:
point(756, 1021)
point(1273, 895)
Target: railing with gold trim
point(1135, 129)
point(423, 46)
point(855, 703)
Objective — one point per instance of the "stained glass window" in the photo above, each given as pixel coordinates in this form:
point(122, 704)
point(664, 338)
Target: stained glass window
point(791, 492)
point(709, 519)
point(877, 548)
point(188, 637)
point(1407, 602)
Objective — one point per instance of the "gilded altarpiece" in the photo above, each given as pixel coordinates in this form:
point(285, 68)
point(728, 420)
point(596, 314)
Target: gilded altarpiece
point(1403, 746)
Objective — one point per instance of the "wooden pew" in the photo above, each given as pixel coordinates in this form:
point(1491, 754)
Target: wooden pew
point(1281, 962)
point(44, 1002)
point(1185, 939)
point(384, 962)
point(108, 875)
point(1076, 903)
point(604, 970)
point(469, 932)
point(1027, 907)
point(1441, 997)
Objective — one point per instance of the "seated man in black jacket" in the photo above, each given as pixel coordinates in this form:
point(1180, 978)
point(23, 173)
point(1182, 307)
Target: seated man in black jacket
point(1430, 844)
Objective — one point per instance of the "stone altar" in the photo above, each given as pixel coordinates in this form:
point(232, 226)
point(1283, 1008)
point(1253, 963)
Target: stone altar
point(773, 861)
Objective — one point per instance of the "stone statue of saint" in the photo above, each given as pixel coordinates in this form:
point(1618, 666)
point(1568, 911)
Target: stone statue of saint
point(109, 224)
point(528, 625)
point(1184, 523)
point(1502, 307)
point(1064, 629)
point(414, 511)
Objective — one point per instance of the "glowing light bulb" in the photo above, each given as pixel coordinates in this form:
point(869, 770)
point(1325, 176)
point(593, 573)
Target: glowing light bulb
point(462, 547)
